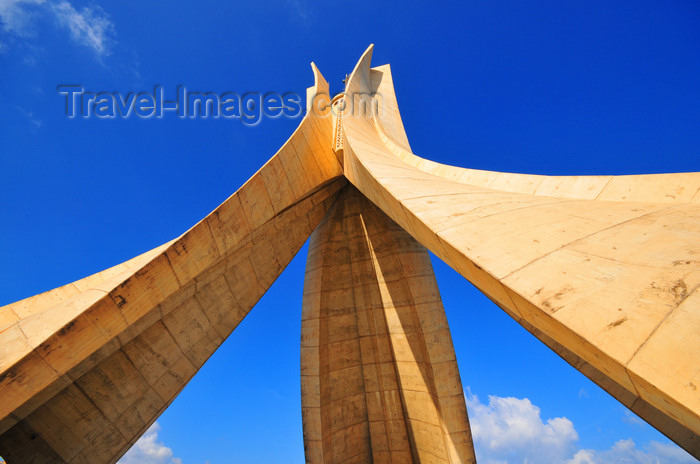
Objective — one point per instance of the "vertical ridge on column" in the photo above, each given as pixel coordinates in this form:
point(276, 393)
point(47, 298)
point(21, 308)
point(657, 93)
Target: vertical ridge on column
point(379, 375)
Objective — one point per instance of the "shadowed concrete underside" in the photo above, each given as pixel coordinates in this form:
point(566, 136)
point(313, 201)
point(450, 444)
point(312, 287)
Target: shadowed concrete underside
point(602, 269)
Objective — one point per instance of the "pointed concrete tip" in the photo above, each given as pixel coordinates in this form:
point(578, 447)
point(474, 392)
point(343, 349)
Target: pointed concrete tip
point(367, 55)
point(363, 63)
point(320, 82)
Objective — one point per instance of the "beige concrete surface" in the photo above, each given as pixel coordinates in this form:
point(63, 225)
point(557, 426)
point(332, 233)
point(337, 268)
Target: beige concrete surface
point(86, 368)
point(604, 270)
point(379, 375)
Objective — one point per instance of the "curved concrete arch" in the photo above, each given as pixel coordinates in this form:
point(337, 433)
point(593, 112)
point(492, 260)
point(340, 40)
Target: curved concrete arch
point(607, 276)
point(659, 188)
point(86, 368)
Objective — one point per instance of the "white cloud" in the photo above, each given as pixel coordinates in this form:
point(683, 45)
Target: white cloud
point(148, 450)
point(511, 431)
point(626, 452)
point(89, 27)
point(17, 16)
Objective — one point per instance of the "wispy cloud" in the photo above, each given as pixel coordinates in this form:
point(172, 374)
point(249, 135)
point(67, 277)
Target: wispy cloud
point(300, 8)
point(149, 450)
point(17, 16)
point(632, 418)
point(626, 452)
point(89, 27)
point(511, 431)
point(29, 115)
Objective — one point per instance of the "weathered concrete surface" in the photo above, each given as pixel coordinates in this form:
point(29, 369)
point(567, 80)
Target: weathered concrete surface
point(86, 368)
point(379, 375)
point(604, 270)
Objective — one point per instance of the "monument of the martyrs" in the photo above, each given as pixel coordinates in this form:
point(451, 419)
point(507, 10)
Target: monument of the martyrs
point(602, 269)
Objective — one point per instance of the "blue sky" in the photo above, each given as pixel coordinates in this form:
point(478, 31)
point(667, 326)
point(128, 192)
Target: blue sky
point(543, 87)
